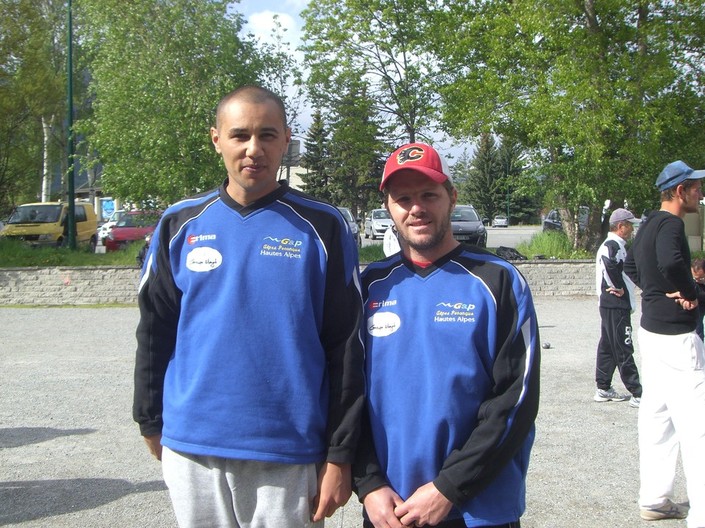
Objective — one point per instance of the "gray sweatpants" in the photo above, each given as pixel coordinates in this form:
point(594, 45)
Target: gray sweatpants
point(212, 492)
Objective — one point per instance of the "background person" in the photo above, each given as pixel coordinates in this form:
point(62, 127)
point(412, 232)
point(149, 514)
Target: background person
point(697, 268)
point(615, 292)
point(672, 355)
point(452, 362)
point(249, 369)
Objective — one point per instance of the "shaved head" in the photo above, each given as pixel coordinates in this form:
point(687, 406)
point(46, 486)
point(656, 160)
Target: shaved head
point(250, 94)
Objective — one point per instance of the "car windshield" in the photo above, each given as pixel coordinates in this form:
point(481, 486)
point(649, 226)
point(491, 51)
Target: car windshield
point(137, 220)
point(381, 214)
point(464, 215)
point(35, 214)
point(346, 214)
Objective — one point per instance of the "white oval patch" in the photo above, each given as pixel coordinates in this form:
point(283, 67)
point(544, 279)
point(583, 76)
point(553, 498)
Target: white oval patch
point(203, 259)
point(383, 324)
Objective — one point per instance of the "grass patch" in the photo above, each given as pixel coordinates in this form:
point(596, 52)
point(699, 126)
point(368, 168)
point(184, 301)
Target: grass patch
point(552, 245)
point(371, 253)
point(16, 254)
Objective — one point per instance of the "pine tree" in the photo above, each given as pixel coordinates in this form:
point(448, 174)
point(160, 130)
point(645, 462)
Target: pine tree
point(315, 159)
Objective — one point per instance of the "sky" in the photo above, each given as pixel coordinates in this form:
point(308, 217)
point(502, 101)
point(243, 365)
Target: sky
point(259, 15)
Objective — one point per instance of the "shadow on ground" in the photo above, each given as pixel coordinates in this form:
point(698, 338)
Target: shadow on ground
point(40, 499)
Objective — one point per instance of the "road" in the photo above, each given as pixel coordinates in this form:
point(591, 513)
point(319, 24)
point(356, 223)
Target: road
point(71, 455)
point(496, 236)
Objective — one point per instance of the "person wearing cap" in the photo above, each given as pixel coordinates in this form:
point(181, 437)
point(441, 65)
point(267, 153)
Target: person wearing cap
point(615, 293)
point(452, 363)
point(672, 355)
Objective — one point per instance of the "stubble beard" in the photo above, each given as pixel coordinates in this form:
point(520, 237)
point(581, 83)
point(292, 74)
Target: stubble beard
point(429, 243)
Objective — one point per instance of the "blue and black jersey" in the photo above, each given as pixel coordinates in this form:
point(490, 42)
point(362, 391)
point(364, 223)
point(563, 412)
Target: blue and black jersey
point(452, 358)
point(248, 342)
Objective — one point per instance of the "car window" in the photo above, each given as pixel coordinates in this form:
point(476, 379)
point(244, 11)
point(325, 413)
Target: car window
point(79, 213)
point(35, 214)
point(346, 214)
point(381, 214)
point(464, 215)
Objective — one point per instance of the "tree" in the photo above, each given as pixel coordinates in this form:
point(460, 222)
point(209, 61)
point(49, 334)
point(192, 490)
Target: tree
point(355, 150)
point(316, 159)
point(32, 100)
point(521, 188)
point(483, 187)
point(603, 94)
point(378, 41)
point(157, 70)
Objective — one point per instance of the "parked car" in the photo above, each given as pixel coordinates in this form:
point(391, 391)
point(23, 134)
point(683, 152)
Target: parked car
point(377, 222)
point(467, 226)
point(552, 221)
point(44, 223)
point(354, 229)
point(500, 221)
point(105, 228)
point(132, 226)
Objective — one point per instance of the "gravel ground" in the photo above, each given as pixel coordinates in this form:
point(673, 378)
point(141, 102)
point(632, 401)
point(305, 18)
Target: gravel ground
point(70, 455)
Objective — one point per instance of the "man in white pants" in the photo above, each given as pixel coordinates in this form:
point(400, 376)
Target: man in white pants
point(672, 411)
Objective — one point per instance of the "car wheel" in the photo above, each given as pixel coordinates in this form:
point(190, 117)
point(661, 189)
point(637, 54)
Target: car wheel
point(92, 244)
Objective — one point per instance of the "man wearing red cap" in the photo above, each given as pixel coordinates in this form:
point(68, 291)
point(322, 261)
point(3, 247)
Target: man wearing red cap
point(452, 364)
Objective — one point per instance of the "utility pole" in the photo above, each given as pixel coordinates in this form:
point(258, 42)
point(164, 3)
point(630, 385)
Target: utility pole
point(71, 218)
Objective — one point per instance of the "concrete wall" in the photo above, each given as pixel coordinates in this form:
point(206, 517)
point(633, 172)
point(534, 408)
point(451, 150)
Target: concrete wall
point(106, 285)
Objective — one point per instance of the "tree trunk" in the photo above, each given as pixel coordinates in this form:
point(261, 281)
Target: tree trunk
point(46, 169)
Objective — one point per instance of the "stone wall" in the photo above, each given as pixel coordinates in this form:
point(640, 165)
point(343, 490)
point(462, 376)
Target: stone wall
point(118, 285)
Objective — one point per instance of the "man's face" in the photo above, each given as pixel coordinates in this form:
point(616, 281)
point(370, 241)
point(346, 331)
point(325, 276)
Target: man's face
point(625, 230)
point(698, 275)
point(252, 140)
point(692, 196)
point(421, 211)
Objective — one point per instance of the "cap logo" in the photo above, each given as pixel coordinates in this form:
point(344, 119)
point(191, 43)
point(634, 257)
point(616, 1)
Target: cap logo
point(410, 154)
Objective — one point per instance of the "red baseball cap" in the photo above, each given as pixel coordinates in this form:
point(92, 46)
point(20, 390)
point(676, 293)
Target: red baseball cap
point(419, 157)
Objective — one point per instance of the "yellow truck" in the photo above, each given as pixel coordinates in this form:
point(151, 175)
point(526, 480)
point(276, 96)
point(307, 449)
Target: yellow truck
point(45, 224)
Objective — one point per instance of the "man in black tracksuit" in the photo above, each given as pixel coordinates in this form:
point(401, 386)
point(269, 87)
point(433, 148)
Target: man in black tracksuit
point(616, 298)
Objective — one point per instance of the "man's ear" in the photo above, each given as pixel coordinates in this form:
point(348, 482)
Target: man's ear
point(215, 137)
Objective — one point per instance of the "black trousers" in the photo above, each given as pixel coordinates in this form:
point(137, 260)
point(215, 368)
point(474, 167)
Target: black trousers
point(455, 523)
point(616, 351)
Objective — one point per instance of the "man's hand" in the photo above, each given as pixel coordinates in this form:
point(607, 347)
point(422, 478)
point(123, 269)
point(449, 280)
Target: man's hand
point(334, 490)
point(380, 504)
point(619, 292)
point(685, 304)
point(426, 506)
point(154, 443)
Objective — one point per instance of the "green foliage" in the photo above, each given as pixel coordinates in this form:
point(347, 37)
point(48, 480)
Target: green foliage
point(15, 254)
point(495, 182)
point(603, 93)
point(371, 253)
point(316, 159)
point(157, 71)
point(483, 186)
point(550, 245)
point(32, 88)
point(378, 41)
point(355, 151)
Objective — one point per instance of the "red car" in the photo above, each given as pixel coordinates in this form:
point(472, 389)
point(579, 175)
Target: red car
point(132, 226)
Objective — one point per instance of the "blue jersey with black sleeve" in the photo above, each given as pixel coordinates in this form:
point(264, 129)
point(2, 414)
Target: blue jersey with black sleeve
point(452, 358)
point(248, 341)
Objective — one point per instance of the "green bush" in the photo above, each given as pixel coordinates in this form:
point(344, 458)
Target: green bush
point(16, 254)
point(552, 244)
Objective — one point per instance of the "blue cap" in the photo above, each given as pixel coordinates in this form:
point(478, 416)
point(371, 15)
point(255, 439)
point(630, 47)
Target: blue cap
point(676, 173)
